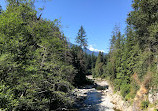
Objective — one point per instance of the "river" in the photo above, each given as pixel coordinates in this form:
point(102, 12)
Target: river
point(96, 98)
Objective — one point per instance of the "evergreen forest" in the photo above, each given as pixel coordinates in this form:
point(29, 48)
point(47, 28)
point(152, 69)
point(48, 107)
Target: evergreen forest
point(39, 69)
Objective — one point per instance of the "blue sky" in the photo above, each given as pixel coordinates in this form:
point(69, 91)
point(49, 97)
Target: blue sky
point(98, 17)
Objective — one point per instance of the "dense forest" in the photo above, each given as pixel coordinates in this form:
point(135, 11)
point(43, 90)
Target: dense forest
point(39, 69)
point(132, 62)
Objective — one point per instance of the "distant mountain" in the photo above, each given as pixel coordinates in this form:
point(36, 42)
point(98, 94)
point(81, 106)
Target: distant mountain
point(90, 52)
point(87, 50)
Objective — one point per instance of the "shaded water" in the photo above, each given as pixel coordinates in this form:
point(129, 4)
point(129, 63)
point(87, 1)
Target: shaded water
point(93, 101)
point(96, 97)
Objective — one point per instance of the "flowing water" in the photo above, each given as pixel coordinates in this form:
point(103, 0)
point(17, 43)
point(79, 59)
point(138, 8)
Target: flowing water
point(96, 101)
point(95, 97)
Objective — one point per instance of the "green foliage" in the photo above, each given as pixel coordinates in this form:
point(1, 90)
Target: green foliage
point(34, 72)
point(99, 66)
point(136, 51)
point(82, 62)
point(134, 87)
point(144, 21)
point(88, 63)
point(81, 38)
point(6, 98)
point(93, 60)
point(125, 89)
point(144, 104)
point(38, 69)
point(0, 9)
point(79, 64)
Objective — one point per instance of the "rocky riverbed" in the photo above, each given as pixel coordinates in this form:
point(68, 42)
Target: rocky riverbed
point(99, 97)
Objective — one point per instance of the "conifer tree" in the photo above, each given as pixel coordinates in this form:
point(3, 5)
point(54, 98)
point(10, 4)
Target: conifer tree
point(33, 72)
point(144, 21)
point(81, 38)
point(0, 9)
point(99, 65)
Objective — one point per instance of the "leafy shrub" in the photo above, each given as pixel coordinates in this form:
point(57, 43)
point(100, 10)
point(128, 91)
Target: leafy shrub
point(144, 104)
point(125, 89)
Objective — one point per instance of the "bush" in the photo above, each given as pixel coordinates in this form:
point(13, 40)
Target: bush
point(125, 89)
point(98, 87)
point(144, 104)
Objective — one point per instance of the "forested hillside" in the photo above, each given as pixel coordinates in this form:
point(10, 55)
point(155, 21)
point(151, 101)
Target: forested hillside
point(38, 69)
point(132, 63)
